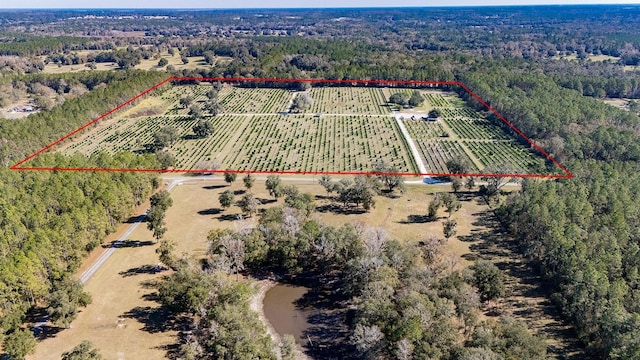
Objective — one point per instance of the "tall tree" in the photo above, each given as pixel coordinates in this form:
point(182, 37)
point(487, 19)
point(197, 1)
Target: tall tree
point(388, 175)
point(65, 298)
point(83, 351)
point(19, 344)
point(249, 204)
point(449, 228)
point(203, 128)
point(416, 99)
point(248, 181)
point(195, 111)
point(161, 199)
point(327, 184)
point(226, 199)
point(401, 99)
point(165, 253)
point(185, 101)
point(155, 222)
point(274, 186)
point(489, 279)
point(164, 137)
point(230, 177)
point(457, 165)
point(451, 203)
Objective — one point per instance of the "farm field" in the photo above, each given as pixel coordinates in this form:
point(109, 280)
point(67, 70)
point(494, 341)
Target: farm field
point(463, 133)
point(328, 143)
point(233, 100)
point(264, 142)
point(349, 100)
point(344, 129)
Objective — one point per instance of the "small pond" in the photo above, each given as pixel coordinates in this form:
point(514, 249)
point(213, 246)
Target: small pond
point(282, 313)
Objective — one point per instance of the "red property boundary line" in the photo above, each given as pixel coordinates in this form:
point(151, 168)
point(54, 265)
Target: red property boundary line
point(567, 174)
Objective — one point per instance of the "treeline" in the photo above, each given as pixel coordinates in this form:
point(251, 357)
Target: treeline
point(613, 87)
point(30, 45)
point(307, 58)
point(49, 221)
point(565, 122)
point(18, 139)
point(581, 233)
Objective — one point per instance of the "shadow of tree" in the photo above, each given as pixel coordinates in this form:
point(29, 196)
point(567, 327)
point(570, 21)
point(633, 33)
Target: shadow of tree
point(155, 319)
point(327, 309)
point(149, 284)
point(214, 187)
point(211, 211)
point(45, 331)
point(417, 219)
point(128, 243)
point(190, 137)
point(228, 217)
point(144, 269)
point(339, 209)
point(327, 336)
point(135, 219)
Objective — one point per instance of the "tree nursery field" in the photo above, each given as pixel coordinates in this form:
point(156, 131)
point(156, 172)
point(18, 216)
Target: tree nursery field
point(333, 129)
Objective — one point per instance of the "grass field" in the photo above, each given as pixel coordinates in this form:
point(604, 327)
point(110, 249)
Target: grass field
point(345, 129)
point(126, 322)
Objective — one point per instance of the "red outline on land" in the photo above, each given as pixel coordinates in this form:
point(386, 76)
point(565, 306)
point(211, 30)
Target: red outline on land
point(567, 174)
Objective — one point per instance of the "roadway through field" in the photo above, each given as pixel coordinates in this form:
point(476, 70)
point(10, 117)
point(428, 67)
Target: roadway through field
point(116, 244)
point(412, 146)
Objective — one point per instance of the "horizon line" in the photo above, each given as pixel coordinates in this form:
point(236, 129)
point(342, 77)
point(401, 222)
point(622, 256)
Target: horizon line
point(533, 4)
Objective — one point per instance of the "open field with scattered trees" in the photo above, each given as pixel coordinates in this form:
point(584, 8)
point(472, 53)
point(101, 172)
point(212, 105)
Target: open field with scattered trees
point(139, 318)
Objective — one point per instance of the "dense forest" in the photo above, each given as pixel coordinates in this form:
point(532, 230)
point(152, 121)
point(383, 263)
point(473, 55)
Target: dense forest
point(539, 67)
point(50, 220)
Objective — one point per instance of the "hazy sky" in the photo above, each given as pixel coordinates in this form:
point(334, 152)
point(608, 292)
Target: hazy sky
point(212, 4)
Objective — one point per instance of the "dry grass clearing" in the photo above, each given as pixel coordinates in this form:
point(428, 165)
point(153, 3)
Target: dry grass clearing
point(125, 322)
point(195, 62)
point(527, 297)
